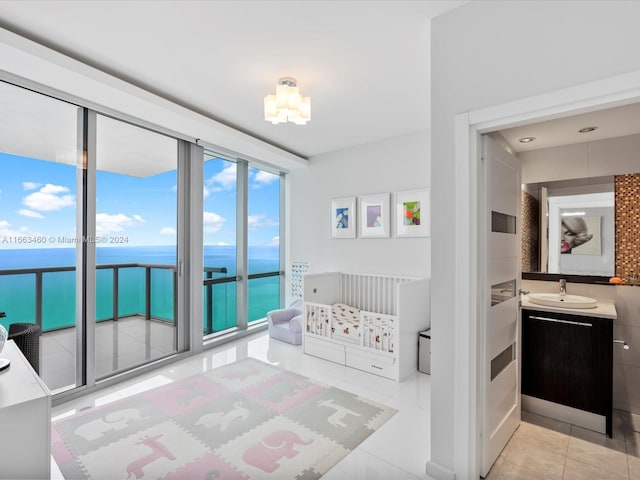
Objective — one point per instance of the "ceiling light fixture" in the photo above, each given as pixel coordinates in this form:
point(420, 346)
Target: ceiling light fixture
point(587, 129)
point(527, 139)
point(287, 105)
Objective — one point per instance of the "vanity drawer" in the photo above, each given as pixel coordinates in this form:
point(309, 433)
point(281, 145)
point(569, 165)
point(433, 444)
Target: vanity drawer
point(370, 362)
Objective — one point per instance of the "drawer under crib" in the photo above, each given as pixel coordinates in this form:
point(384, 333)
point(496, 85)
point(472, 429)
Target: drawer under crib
point(321, 348)
point(383, 365)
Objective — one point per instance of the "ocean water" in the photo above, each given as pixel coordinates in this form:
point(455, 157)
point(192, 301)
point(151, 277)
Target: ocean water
point(17, 292)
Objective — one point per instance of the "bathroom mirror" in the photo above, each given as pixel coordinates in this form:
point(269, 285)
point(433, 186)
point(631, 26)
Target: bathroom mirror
point(568, 230)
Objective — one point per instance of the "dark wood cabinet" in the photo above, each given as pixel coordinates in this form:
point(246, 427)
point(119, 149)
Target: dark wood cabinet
point(568, 359)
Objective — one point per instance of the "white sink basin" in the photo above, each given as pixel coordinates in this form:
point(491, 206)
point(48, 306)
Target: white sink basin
point(566, 301)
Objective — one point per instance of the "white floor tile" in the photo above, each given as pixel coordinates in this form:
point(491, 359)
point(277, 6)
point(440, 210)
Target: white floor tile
point(405, 440)
point(362, 465)
point(398, 450)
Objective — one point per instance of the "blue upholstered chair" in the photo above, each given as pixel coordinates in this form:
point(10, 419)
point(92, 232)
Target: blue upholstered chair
point(286, 323)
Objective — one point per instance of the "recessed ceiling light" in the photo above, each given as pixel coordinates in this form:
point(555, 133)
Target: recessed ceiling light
point(527, 139)
point(587, 129)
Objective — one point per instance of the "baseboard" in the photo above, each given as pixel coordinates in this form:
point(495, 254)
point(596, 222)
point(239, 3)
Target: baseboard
point(438, 471)
point(590, 421)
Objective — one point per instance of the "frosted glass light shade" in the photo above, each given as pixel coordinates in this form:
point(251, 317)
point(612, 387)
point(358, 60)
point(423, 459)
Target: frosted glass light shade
point(287, 105)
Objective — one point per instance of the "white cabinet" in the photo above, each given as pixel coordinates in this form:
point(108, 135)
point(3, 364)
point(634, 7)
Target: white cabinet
point(25, 420)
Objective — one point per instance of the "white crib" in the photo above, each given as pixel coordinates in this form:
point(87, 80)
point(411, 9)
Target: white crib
point(368, 322)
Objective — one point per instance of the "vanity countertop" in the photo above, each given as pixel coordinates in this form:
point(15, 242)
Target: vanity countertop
point(604, 309)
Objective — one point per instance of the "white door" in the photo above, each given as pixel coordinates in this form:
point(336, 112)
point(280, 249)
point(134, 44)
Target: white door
point(500, 318)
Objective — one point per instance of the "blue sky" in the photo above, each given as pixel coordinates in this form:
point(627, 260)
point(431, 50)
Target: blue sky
point(38, 198)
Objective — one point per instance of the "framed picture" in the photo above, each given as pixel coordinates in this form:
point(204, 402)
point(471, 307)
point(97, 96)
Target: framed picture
point(374, 216)
point(413, 213)
point(581, 235)
point(343, 217)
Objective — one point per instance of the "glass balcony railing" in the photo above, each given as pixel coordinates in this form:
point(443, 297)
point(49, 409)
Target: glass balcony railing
point(47, 296)
point(264, 295)
point(220, 298)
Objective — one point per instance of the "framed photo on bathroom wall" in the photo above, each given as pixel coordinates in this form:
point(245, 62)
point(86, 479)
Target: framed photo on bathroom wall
point(343, 217)
point(413, 213)
point(374, 216)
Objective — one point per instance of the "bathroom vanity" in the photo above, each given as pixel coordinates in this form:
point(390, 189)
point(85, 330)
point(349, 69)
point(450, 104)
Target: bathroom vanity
point(567, 363)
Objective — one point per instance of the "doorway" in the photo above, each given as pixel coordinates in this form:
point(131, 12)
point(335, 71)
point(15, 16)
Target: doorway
point(469, 185)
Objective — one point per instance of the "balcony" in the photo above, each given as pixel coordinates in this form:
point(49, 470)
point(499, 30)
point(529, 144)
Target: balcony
point(134, 326)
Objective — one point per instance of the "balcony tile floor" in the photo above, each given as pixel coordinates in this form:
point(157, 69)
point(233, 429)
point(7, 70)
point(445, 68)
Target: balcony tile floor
point(120, 345)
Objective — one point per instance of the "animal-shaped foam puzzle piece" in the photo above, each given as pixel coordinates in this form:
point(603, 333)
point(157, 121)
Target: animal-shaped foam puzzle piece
point(273, 447)
point(224, 419)
point(113, 421)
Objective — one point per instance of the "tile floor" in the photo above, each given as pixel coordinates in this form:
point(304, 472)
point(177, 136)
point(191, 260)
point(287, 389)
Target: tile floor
point(546, 449)
point(397, 451)
point(123, 344)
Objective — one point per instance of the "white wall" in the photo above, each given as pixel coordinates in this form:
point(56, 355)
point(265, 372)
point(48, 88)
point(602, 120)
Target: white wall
point(398, 164)
point(484, 54)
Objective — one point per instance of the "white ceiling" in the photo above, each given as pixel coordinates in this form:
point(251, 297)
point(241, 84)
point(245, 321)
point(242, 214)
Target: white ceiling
point(365, 64)
point(611, 122)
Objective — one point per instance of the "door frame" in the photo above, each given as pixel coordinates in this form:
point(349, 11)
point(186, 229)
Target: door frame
point(469, 126)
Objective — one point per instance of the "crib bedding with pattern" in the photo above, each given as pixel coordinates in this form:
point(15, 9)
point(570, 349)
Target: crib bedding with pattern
point(345, 322)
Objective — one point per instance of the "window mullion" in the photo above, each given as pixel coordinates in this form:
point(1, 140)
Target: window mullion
point(242, 261)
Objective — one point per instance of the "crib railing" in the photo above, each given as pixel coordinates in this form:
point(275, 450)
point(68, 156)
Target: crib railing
point(373, 293)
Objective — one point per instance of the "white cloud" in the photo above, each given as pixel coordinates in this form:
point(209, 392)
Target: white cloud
point(259, 221)
point(7, 231)
point(212, 222)
point(106, 223)
point(30, 185)
point(263, 178)
point(168, 231)
point(222, 244)
point(29, 213)
point(49, 198)
point(205, 192)
point(225, 179)
point(50, 189)
point(275, 241)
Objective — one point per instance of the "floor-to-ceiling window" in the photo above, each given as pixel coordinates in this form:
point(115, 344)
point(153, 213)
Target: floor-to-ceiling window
point(93, 235)
point(263, 239)
point(219, 239)
point(136, 245)
point(39, 191)
point(242, 257)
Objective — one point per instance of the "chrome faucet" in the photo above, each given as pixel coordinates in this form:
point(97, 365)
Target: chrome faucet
point(563, 287)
